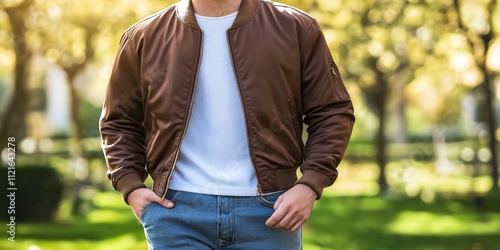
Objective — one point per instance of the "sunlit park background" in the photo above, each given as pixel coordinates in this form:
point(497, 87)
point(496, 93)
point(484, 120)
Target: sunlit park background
point(421, 171)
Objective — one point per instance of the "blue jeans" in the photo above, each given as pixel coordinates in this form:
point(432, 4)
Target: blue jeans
point(200, 221)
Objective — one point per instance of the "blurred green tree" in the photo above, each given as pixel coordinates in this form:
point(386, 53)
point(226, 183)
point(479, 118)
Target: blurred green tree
point(374, 38)
point(407, 55)
point(480, 32)
point(72, 35)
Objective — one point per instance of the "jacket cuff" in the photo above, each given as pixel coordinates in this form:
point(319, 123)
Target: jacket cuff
point(315, 180)
point(128, 183)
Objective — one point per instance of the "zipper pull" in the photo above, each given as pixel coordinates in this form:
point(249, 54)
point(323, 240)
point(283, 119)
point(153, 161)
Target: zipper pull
point(332, 69)
point(259, 190)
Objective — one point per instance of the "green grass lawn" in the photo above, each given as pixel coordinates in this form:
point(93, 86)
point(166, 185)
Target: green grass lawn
point(338, 222)
point(372, 223)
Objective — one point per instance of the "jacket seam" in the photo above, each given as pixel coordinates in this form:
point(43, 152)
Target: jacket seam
point(129, 45)
point(250, 18)
point(129, 34)
point(311, 167)
point(309, 27)
point(288, 6)
point(134, 26)
point(133, 172)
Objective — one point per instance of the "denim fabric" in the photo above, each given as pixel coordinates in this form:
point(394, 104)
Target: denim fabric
point(200, 221)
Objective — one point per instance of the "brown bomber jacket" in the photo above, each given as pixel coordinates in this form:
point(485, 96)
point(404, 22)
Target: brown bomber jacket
point(285, 75)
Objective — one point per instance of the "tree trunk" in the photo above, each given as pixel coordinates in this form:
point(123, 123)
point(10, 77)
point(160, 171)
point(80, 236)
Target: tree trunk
point(489, 100)
point(380, 142)
point(16, 109)
point(77, 151)
point(380, 145)
point(400, 114)
point(492, 126)
point(77, 133)
point(76, 123)
point(380, 95)
point(72, 72)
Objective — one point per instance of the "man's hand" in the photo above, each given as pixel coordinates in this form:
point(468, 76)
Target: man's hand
point(140, 197)
point(292, 208)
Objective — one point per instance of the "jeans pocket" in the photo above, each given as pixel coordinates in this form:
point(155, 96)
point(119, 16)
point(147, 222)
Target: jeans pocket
point(173, 195)
point(145, 209)
point(268, 200)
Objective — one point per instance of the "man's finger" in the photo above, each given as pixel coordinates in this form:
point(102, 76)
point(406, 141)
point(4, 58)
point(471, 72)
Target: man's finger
point(276, 217)
point(292, 223)
point(285, 221)
point(278, 202)
point(297, 226)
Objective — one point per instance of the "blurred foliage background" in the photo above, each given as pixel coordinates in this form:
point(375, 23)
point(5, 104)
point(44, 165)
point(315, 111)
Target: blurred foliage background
point(421, 171)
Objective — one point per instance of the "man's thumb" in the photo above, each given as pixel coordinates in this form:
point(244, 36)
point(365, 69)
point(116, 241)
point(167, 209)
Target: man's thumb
point(166, 203)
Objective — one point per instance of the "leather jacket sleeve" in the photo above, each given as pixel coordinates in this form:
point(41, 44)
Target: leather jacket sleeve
point(121, 123)
point(328, 112)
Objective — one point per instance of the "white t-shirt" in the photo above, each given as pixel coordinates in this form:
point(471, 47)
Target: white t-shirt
point(214, 156)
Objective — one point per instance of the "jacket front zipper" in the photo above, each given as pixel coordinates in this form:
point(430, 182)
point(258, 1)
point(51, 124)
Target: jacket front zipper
point(190, 108)
point(259, 188)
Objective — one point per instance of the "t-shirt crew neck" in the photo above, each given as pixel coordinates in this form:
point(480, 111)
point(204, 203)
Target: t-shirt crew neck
point(231, 16)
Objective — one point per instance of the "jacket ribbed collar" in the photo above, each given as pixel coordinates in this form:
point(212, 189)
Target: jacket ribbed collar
point(185, 12)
